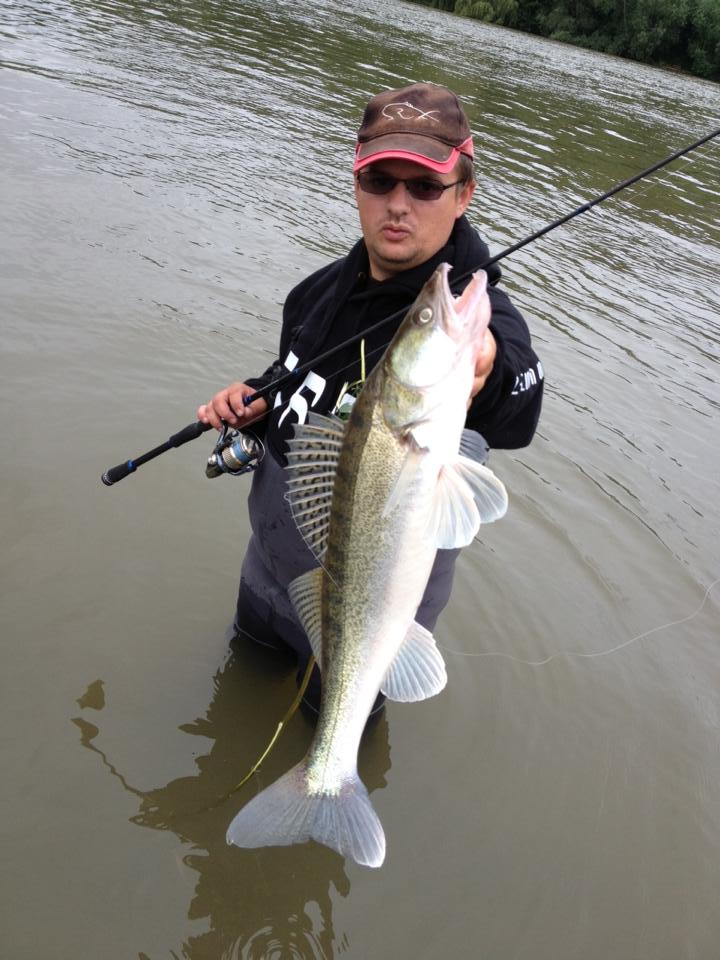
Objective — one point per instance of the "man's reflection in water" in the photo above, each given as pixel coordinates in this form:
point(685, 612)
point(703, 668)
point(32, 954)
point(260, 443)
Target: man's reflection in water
point(267, 903)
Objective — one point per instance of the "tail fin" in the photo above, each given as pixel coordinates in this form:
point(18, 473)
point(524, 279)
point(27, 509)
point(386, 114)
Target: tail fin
point(287, 813)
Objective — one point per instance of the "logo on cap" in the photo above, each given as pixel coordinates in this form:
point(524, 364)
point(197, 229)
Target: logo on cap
point(398, 112)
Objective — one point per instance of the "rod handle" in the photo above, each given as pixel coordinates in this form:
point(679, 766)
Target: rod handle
point(190, 432)
point(119, 472)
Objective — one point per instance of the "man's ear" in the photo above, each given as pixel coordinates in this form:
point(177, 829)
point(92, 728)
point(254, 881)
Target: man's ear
point(463, 198)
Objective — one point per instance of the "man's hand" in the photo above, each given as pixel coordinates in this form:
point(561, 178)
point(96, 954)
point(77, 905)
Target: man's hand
point(484, 362)
point(229, 405)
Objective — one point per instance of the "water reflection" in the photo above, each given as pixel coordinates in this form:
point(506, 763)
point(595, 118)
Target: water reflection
point(268, 903)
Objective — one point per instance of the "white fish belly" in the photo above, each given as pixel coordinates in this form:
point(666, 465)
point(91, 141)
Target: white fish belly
point(377, 571)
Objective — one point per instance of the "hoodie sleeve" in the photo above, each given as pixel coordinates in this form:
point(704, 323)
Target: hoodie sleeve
point(507, 409)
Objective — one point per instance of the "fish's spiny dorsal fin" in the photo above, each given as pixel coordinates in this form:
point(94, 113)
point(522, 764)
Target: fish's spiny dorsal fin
point(418, 670)
point(312, 464)
point(305, 593)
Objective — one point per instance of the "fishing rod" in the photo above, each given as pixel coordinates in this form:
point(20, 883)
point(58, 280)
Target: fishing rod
point(245, 454)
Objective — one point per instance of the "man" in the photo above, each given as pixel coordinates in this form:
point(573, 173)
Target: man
point(413, 182)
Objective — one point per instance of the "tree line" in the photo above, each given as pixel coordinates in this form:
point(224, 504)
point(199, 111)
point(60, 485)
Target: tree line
point(680, 33)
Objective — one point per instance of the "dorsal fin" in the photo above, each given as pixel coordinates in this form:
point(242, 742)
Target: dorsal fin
point(305, 592)
point(312, 463)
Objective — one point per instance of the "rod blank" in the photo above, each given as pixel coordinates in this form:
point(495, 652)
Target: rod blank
point(194, 430)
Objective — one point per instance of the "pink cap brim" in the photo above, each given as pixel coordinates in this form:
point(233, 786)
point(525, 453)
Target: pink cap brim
point(438, 166)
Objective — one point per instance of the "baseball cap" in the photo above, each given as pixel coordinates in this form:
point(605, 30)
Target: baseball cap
point(423, 122)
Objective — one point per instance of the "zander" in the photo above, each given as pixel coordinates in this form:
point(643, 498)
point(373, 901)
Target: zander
point(374, 499)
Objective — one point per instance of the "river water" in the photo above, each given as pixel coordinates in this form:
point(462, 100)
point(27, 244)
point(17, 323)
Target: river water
point(167, 173)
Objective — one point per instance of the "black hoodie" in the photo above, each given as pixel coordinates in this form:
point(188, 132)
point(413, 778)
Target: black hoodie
point(341, 300)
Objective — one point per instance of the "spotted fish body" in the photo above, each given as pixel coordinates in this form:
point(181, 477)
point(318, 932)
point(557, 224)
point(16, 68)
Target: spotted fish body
point(375, 499)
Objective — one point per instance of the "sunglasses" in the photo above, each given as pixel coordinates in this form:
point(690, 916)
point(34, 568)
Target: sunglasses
point(419, 188)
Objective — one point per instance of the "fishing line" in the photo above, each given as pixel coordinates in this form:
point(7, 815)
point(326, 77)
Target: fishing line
point(280, 727)
point(587, 656)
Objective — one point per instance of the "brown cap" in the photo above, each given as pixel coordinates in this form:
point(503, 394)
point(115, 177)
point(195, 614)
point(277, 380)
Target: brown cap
point(423, 123)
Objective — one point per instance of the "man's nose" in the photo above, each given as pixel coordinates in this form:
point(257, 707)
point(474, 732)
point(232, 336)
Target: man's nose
point(399, 197)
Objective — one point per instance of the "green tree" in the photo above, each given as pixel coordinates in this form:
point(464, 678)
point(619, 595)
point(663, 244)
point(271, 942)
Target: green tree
point(504, 12)
point(685, 33)
point(704, 42)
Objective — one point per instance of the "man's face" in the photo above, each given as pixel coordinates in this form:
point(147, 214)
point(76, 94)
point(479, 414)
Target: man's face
point(401, 232)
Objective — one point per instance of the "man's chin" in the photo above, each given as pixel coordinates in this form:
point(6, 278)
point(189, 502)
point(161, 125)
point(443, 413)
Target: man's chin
point(395, 259)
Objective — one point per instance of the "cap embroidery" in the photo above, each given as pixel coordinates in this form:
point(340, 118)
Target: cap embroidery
point(400, 114)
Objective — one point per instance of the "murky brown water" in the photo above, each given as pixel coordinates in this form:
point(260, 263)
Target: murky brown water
point(167, 173)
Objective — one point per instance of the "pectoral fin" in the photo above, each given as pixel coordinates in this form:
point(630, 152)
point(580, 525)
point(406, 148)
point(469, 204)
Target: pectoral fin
point(474, 446)
point(418, 670)
point(467, 495)
point(407, 474)
point(489, 492)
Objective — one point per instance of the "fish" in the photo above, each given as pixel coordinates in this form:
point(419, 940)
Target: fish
point(375, 497)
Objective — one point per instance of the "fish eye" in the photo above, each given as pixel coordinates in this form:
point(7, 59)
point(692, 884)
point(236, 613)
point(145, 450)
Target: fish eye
point(424, 316)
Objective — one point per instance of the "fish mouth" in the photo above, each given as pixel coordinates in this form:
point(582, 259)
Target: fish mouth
point(438, 332)
point(456, 313)
point(469, 300)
